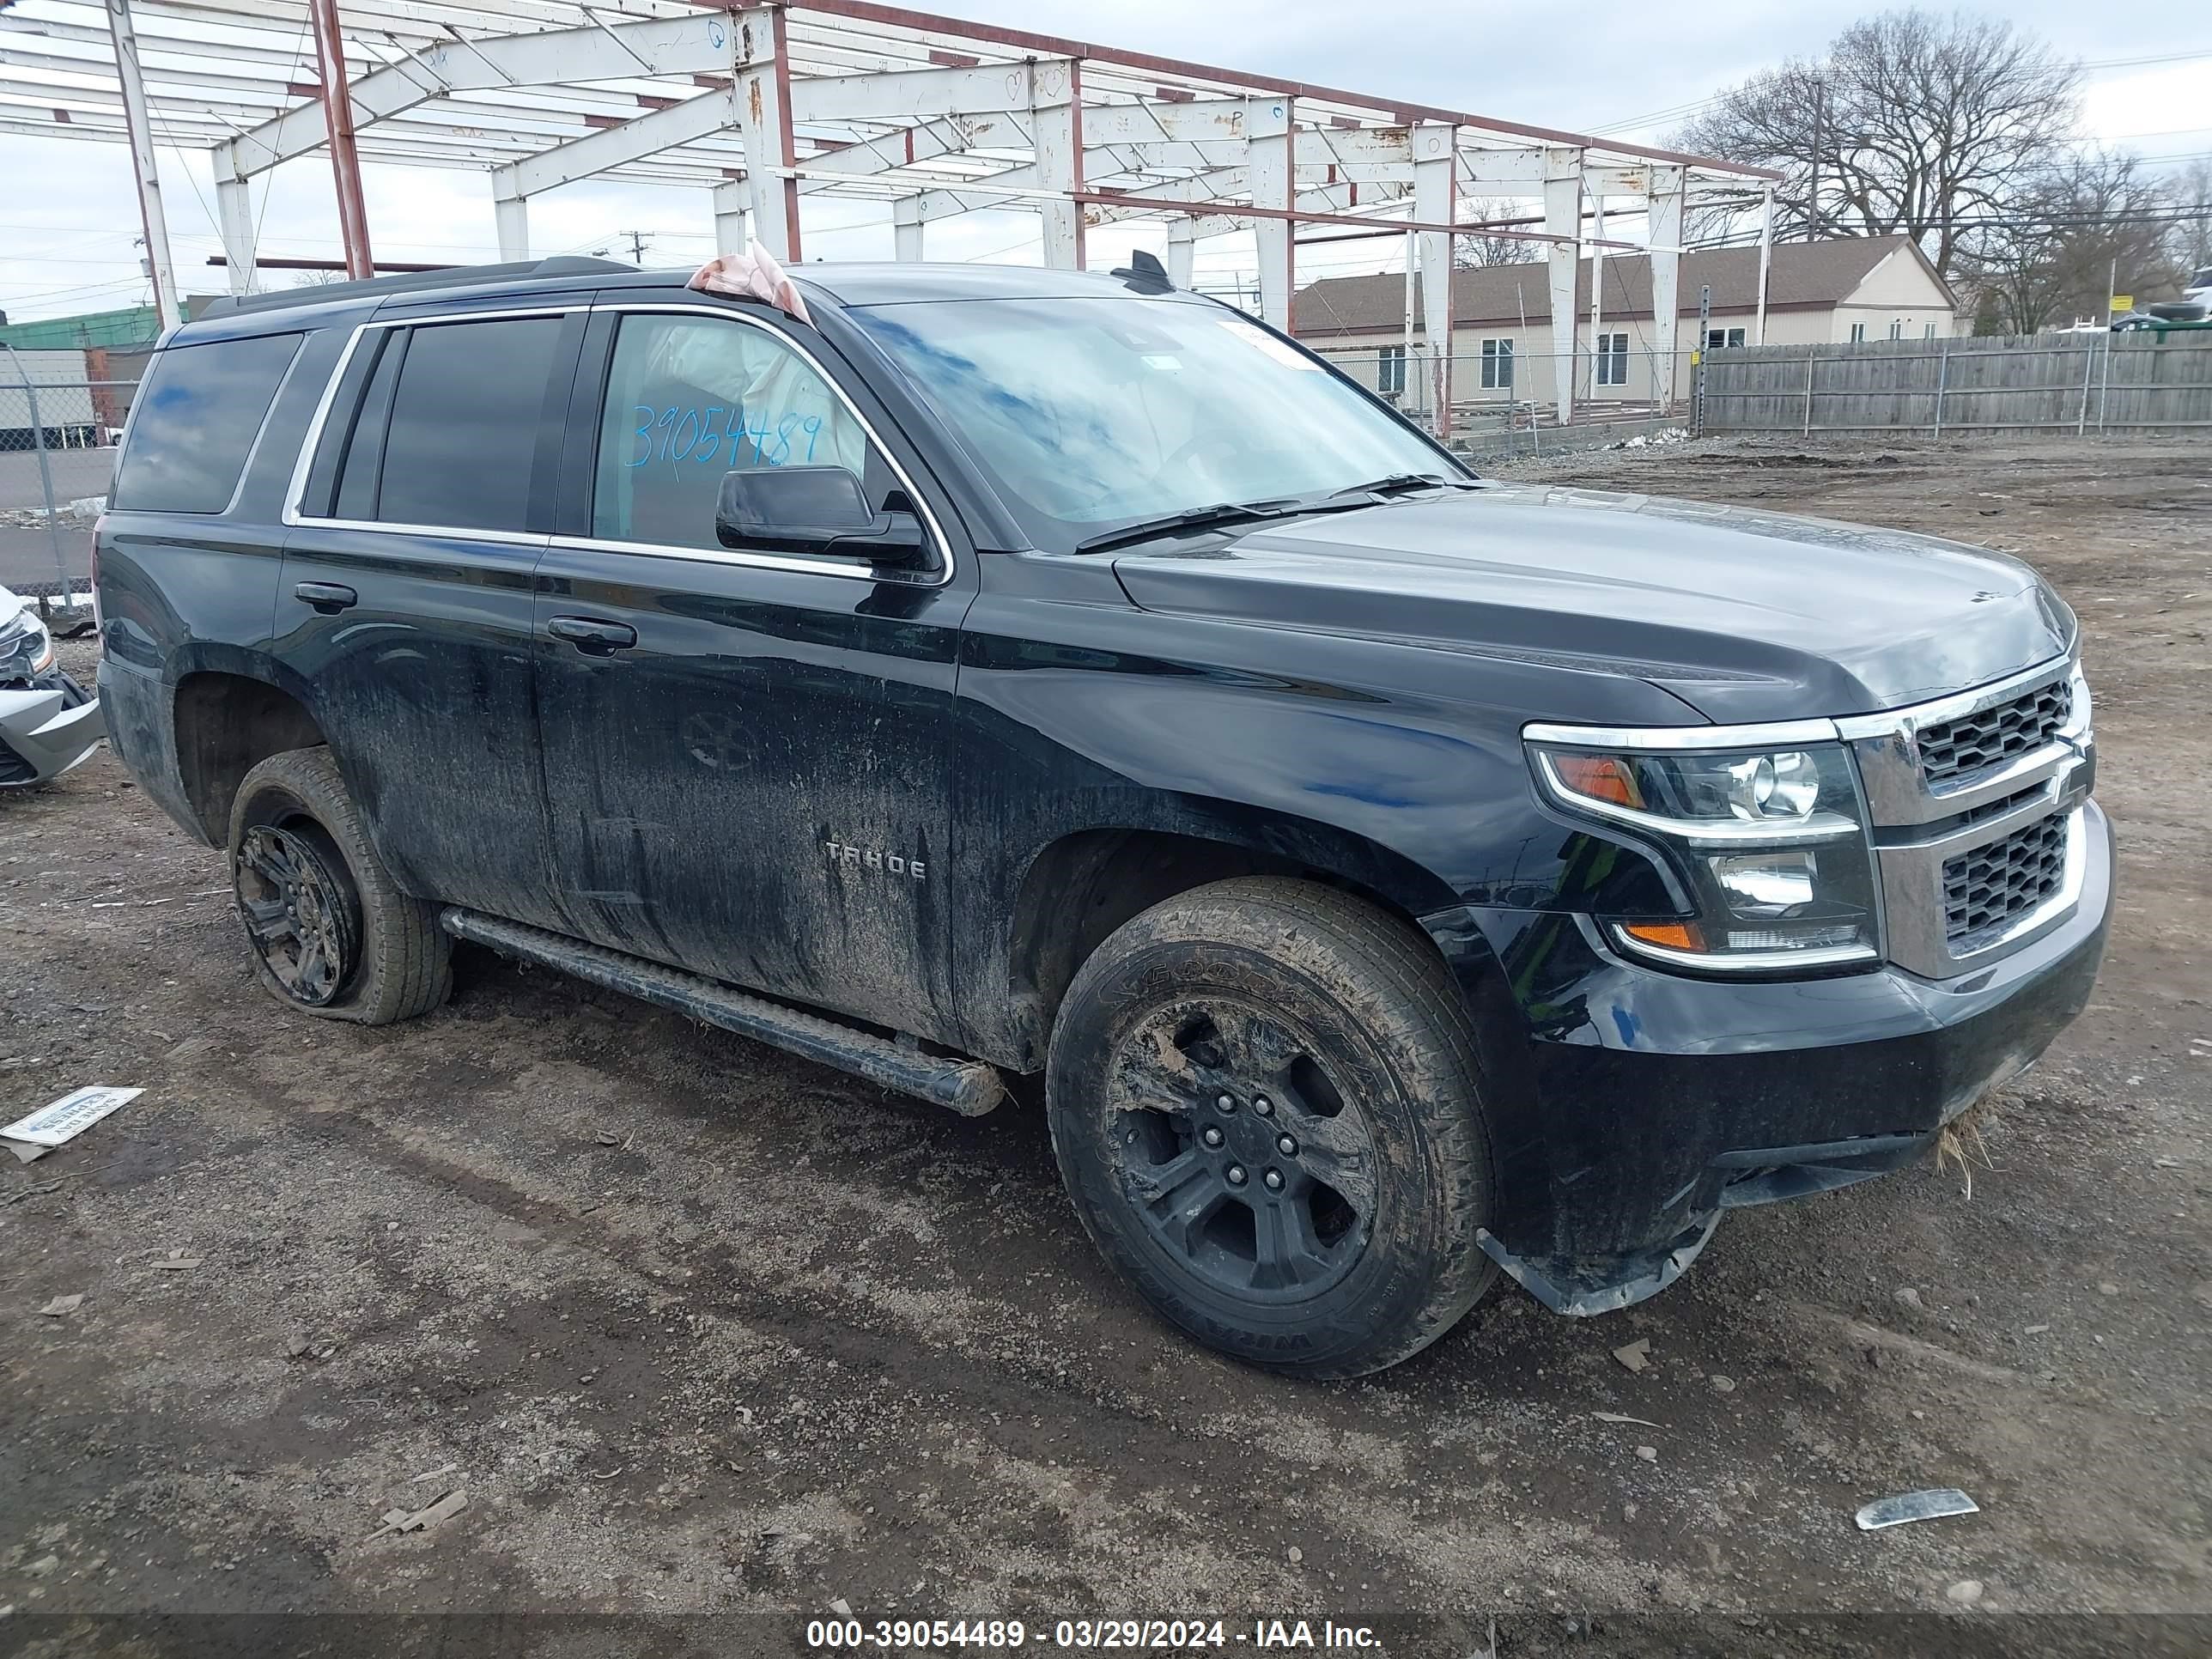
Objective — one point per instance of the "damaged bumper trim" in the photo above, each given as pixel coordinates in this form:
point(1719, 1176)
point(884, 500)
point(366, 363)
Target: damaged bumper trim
point(1581, 1291)
point(46, 728)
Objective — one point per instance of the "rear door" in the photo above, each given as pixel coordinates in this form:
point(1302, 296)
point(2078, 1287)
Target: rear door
point(404, 603)
point(746, 753)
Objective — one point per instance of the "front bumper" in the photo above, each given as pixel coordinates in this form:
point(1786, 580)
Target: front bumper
point(1637, 1106)
point(46, 728)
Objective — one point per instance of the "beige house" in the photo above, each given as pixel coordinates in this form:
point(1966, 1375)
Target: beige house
point(1873, 288)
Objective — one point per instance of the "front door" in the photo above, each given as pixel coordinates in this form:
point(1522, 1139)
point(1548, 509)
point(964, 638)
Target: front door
point(746, 753)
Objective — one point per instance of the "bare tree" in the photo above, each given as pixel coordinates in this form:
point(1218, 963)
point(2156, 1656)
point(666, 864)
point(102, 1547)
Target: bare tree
point(1478, 249)
point(1911, 122)
point(2093, 223)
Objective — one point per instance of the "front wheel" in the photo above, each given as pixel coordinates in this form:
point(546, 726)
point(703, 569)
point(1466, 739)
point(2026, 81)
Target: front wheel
point(1266, 1103)
point(330, 933)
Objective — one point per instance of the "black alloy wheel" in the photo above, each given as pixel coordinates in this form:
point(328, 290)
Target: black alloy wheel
point(301, 912)
point(1251, 1171)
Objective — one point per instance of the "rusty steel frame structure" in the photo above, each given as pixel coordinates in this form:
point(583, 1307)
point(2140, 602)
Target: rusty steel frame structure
point(763, 103)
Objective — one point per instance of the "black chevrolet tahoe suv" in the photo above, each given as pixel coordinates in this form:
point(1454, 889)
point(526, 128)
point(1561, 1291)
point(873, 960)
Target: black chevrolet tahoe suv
point(1397, 878)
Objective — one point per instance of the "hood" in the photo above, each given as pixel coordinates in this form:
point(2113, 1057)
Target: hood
point(1746, 615)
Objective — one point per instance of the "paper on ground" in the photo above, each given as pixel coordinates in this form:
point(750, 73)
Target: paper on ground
point(51, 1126)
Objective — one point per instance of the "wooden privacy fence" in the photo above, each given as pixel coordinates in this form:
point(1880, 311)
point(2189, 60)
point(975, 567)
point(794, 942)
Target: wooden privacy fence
point(2078, 383)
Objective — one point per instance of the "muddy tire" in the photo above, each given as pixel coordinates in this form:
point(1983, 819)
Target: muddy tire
point(330, 935)
point(1267, 1105)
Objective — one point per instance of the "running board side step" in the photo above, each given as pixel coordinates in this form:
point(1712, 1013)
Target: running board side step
point(970, 1087)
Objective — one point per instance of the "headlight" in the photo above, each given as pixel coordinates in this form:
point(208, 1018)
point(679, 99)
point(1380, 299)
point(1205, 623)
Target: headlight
point(1769, 842)
point(26, 648)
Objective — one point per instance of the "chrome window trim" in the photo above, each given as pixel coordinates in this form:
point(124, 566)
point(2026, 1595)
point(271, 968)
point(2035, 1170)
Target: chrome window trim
point(313, 440)
point(803, 564)
point(850, 570)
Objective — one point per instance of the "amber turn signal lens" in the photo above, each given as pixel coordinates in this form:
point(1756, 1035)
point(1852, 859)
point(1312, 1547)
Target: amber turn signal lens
point(1599, 777)
point(1668, 935)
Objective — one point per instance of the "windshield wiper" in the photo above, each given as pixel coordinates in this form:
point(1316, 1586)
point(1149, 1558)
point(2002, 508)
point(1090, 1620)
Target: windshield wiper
point(1397, 484)
point(1190, 518)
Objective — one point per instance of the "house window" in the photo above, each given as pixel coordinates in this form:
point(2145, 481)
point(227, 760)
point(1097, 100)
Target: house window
point(1858, 333)
point(1390, 372)
point(1928, 332)
point(1498, 365)
point(1613, 359)
point(1897, 330)
point(1720, 339)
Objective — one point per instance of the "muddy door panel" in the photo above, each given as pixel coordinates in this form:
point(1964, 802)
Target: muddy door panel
point(422, 682)
point(745, 746)
point(755, 788)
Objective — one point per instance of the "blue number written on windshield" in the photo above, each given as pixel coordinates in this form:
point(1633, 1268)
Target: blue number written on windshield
point(676, 435)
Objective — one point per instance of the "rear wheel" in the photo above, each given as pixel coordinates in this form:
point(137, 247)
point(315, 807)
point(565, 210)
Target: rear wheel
point(1265, 1101)
point(331, 934)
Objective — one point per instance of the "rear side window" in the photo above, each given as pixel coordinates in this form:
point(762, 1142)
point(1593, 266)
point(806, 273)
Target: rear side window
point(195, 422)
point(465, 409)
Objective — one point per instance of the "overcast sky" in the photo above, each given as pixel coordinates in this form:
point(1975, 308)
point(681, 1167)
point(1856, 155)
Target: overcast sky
point(68, 214)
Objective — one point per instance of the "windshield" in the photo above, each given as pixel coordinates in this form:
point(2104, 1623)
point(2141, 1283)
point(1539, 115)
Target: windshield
point(1090, 414)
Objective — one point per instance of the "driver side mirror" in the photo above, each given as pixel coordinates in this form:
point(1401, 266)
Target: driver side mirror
point(818, 510)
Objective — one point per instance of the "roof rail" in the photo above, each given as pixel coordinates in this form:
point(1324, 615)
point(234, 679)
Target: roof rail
point(564, 264)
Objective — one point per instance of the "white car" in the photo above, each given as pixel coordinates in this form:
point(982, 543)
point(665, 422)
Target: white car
point(48, 722)
point(2198, 293)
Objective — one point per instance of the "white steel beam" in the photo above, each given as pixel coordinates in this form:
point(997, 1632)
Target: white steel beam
point(764, 107)
point(1055, 103)
point(1495, 170)
point(697, 117)
point(1151, 122)
point(1182, 247)
point(901, 95)
point(1434, 146)
point(510, 214)
point(733, 202)
point(1269, 128)
point(1328, 198)
point(1563, 218)
point(1662, 212)
point(916, 146)
point(680, 45)
point(906, 230)
point(233, 212)
point(168, 303)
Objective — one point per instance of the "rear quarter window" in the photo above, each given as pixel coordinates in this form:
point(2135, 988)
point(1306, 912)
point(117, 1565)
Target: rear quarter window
point(195, 421)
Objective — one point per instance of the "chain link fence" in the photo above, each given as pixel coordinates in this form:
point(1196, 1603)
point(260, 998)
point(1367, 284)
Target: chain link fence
point(56, 457)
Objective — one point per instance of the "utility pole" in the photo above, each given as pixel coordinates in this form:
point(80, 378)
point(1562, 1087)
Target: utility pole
point(637, 245)
point(1819, 137)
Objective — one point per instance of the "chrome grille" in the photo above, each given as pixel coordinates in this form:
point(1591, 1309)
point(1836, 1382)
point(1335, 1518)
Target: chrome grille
point(1998, 883)
point(1990, 736)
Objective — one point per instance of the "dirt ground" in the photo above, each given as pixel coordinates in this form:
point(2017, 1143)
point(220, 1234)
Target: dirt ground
point(700, 1329)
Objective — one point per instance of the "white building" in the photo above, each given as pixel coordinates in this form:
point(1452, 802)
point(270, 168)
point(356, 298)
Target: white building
point(1874, 287)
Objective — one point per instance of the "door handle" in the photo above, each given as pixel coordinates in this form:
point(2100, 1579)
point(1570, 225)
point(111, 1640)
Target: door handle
point(592, 635)
point(327, 598)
